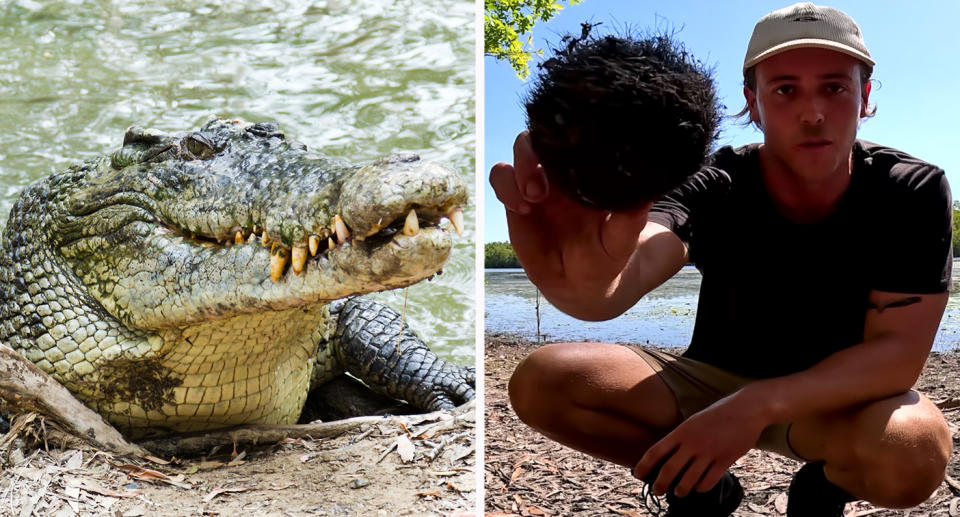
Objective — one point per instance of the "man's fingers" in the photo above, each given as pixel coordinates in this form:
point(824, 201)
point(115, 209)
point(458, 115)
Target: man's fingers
point(655, 460)
point(711, 477)
point(504, 183)
point(530, 177)
point(691, 476)
point(647, 463)
point(670, 472)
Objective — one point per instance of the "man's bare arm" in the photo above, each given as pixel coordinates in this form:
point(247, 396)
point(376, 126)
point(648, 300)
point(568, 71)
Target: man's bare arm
point(658, 256)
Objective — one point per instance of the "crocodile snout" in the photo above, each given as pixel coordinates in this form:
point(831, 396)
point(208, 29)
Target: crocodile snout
point(402, 190)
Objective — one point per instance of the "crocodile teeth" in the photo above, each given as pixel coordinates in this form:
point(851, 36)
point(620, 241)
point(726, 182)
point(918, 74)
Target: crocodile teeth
point(277, 261)
point(341, 228)
point(375, 228)
point(314, 244)
point(265, 239)
point(411, 226)
point(238, 238)
point(456, 218)
point(330, 243)
point(252, 238)
point(299, 256)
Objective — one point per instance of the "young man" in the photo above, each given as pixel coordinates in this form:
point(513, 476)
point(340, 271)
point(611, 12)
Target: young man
point(820, 371)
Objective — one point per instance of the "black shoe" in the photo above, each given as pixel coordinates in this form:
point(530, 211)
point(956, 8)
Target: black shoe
point(719, 501)
point(813, 495)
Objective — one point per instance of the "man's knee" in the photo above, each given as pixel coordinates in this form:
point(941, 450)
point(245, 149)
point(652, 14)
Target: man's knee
point(568, 386)
point(557, 378)
point(535, 388)
point(908, 463)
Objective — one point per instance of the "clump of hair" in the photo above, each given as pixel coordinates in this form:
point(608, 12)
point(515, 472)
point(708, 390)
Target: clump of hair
point(617, 121)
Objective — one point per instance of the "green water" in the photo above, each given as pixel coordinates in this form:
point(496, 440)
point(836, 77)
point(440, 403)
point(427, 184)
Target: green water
point(354, 79)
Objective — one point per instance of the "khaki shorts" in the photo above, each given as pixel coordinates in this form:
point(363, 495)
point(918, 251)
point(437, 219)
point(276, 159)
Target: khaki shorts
point(697, 385)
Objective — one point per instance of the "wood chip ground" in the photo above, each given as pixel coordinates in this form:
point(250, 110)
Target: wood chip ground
point(391, 468)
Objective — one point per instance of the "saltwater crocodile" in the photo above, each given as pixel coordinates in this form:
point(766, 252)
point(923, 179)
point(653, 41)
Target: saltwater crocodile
point(183, 282)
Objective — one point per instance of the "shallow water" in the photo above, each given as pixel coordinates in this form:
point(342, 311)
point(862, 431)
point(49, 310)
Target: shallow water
point(664, 317)
point(355, 79)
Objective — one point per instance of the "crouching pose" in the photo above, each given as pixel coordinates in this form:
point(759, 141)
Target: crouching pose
point(816, 364)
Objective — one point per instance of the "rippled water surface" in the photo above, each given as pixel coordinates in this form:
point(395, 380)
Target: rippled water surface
point(664, 317)
point(354, 79)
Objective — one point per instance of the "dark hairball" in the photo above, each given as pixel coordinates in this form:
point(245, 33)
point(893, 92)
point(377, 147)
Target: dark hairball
point(618, 121)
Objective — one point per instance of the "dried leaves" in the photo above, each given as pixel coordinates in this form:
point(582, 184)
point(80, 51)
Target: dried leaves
point(404, 448)
point(426, 464)
point(58, 482)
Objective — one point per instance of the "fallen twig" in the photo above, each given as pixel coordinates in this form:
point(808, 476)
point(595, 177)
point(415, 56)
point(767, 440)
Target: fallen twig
point(953, 484)
point(19, 423)
point(947, 404)
point(221, 490)
point(862, 513)
point(195, 444)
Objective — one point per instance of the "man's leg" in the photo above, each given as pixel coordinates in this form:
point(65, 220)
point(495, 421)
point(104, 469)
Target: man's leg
point(602, 399)
point(892, 452)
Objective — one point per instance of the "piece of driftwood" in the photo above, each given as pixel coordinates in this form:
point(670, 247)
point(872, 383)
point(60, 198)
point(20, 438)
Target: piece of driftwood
point(201, 443)
point(27, 387)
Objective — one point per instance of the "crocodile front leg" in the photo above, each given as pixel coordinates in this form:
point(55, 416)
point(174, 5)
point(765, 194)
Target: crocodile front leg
point(366, 345)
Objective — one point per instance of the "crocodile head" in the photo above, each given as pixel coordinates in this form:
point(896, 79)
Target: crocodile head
point(175, 229)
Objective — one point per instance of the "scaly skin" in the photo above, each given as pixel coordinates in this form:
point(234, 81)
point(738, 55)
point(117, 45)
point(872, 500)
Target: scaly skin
point(171, 286)
point(373, 338)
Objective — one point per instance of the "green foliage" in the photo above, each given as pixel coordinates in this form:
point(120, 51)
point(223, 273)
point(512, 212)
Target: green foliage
point(499, 254)
point(505, 22)
point(956, 228)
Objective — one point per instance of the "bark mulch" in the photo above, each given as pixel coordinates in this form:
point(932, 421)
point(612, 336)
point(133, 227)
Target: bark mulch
point(417, 465)
point(526, 474)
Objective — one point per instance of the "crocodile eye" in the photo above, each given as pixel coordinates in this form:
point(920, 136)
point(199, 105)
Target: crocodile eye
point(200, 146)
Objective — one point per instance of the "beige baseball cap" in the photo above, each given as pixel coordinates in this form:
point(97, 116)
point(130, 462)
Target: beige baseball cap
point(805, 25)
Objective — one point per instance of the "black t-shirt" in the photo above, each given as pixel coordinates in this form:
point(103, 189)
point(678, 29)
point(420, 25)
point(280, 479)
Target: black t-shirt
point(777, 296)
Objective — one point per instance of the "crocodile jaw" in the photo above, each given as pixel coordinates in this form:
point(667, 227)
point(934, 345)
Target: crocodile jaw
point(189, 288)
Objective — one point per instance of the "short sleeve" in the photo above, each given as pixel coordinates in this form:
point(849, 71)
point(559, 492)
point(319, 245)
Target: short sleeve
point(673, 212)
point(679, 209)
point(915, 247)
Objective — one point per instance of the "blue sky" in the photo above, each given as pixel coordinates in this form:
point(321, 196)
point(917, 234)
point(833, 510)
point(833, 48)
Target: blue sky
point(916, 49)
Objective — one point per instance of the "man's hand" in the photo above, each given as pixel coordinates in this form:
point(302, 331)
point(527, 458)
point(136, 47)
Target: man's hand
point(697, 453)
point(567, 249)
